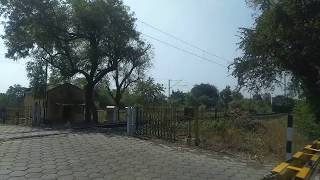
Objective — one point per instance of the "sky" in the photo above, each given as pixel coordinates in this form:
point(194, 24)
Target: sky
point(211, 25)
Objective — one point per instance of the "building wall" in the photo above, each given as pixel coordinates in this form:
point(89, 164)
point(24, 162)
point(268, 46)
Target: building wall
point(33, 109)
point(64, 104)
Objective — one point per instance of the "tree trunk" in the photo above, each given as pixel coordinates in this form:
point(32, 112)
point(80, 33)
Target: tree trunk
point(88, 102)
point(117, 100)
point(94, 112)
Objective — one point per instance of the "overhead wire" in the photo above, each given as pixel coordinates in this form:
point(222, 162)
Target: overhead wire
point(184, 41)
point(185, 51)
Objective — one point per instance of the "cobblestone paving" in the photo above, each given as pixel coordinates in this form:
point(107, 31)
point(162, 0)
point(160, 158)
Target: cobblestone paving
point(79, 155)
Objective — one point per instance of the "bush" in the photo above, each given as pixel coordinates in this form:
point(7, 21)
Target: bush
point(252, 106)
point(282, 104)
point(304, 120)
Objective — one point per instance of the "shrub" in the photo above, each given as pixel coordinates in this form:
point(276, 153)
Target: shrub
point(304, 120)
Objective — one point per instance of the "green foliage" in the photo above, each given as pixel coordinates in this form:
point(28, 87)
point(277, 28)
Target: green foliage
point(15, 95)
point(219, 126)
point(236, 95)
point(250, 105)
point(4, 100)
point(304, 120)
point(36, 72)
point(204, 94)
point(178, 98)
point(103, 98)
point(226, 96)
point(285, 38)
point(148, 92)
point(129, 71)
point(127, 99)
point(76, 37)
point(282, 104)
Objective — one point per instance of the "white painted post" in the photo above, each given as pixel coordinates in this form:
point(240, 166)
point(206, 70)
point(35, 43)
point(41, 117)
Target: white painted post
point(134, 120)
point(115, 114)
point(131, 122)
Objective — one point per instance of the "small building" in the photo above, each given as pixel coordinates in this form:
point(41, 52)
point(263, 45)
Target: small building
point(64, 103)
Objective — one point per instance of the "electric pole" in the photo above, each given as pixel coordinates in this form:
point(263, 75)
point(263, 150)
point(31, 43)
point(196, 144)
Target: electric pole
point(169, 88)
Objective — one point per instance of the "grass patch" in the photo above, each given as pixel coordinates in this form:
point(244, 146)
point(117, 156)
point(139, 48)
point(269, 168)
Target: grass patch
point(264, 140)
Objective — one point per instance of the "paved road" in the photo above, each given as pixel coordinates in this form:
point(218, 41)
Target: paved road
point(28, 153)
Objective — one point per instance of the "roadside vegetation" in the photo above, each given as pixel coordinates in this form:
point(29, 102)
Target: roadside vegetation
point(95, 45)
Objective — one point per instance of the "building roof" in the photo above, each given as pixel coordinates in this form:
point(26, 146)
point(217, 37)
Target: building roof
point(67, 85)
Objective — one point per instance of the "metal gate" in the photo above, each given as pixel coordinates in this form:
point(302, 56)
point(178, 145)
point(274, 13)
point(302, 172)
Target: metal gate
point(168, 123)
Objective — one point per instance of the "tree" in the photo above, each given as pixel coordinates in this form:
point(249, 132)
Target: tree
point(282, 104)
point(226, 96)
point(237, 95)
point(4, 100)
point(285, 38)
point(76, 37)
point(257, 97)
point(178, 98)
point(129, 71)
point(15, 94)
point(37, 74)
point(205, 94)
point(148, 92)
point(103, 97)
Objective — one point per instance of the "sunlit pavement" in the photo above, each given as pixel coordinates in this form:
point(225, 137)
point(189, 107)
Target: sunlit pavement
point(28, 153)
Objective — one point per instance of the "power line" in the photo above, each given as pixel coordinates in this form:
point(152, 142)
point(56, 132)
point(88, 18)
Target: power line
point(183, 41)
point(185, 51)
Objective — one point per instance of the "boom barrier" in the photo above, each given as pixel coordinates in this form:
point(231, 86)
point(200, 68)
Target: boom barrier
point(301, 166)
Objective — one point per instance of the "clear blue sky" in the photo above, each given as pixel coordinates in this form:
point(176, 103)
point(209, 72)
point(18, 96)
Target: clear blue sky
point(209, 24)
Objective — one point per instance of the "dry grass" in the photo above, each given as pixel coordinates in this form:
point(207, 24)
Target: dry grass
point(266, 143)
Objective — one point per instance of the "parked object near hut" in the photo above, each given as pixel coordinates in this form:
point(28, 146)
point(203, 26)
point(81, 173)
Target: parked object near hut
point(112, 113)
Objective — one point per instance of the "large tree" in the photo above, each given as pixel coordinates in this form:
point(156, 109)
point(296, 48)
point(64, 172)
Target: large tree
point(37, 74)
point(148, 92)
point(76, 37)
point(285, 39)
point(178, 98)
point(226, 96)
point(129, 71)
point(205, 94)
point(15, 94)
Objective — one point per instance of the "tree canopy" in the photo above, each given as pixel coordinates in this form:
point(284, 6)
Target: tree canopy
point(205, 94)
point(226, 96)
point(15, 95)
point(148, 92)
point(285, 38)
point(76, 37)
point(128, 72)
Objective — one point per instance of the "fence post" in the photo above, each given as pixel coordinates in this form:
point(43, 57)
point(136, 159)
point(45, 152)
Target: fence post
point(129, 117)
point(196, 117)
point(188, 113)
point(131, 121)
point(215, 114)
point(289, 136)
point(17, 118)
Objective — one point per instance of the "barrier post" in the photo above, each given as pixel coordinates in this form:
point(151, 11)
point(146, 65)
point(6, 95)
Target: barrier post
point(188, 114)
point(289, 137)
point(131, 121)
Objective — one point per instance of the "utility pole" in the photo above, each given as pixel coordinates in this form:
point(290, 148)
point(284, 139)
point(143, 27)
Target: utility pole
point(285, 84)
point(45, 112)
point(169, 88)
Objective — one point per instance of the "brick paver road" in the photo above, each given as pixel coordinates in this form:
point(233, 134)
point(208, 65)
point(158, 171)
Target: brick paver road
point(27, 153)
